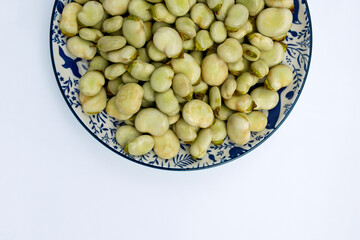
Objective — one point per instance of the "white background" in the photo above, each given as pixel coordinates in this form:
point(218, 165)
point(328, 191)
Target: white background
point(57, 182)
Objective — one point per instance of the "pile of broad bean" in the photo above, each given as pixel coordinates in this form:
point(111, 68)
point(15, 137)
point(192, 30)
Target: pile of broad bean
point(180, 69)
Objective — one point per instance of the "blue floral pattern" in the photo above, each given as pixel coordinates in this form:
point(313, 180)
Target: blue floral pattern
point(68, 70)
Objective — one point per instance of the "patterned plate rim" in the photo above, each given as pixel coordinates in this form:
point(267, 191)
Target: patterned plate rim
point(181, 169)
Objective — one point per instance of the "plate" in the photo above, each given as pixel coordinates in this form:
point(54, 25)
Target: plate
point(68, 70)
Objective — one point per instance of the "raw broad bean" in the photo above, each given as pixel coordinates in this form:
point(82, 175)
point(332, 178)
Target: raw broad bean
point(254, 6)
point(222, 12)
point(260, 41)
point(90, 34)
point(186, 27)
point(167, 146)
point(279, 76)
point(152, 121)
point(134, 31)
point(244, 82)
point(168, 41)
point(140, 145)
point(251, 53)
point(236, 17)
point(91, 13)
point(98, 63)
point(81, 48)
point(280, 3)
point(203, 40)
point(238, 128)
point(214, 5)
point(218, 32)
point(160, 13)
point(161, 79)
point(188, 66)
point(185, 132)
point(178, 7)
point(264, 98)
point(68, 22)
point(259, 68)
point(114, 71)
point(242, 32)
point(129, 98)
point(274, 56)
point(274, 22)
point(127, 78)
point(202, 15)
point(200, 90)
point(224, 113)
point(198, 114)
point(140, 8)
point(149, 93)
point(173, 119)
point(158, 25)
point(240, 103)
point(214, 70)
point(116, 7)
point(113, 86)
point(111, 43)
point(228, 88)
point(125, 55)
point(91, 83)
point(198, 56)
point(167, 102)
point(112, 111)
point(112, 24)
point(94, 104)
point(154, 53)
point(199, 147)
point(143, 56)
point(219, 132)
point(148, 30)
point(215, 99)
point(141, 70)
point(189, 45)
point(182, 86)
point(125, 134)
point(258, 121)
point(230, 51)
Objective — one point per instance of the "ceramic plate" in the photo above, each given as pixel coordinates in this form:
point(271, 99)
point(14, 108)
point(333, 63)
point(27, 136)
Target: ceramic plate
point(68, 70)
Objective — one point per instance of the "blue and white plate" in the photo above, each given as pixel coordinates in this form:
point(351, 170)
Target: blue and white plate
point(68, 70)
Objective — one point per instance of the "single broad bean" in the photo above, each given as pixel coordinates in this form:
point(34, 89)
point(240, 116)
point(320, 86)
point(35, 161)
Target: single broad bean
point(167, 102)
point(198, 56)
point(219, 132)
point(274, 22)
point(90, 34)
point(152, 121)
point(160, 13)
point(178, 7)
point(186, 27)
point(242, 32)
point(168, 41)
point(199, 147)
point(200, 90)
point(116, 7)
point(244, 82)
point(251, 53)
point(141, 70)
point(94, 104)
point(143, 56)
point(274, 56)
point(81, 48)
point(198, 114)
point(259, 68)
point(149, 93)
point(203, 40)
point(185, 131)
point(111, 43)
point(258, 121)
point(129, 98)
point(161, 78)
point(221, 13)
point(154, 53)
point(230, 51)
point(68, 22)
point(202, 15)
point(91, 83)
point(134, 31)
point(112, 111)
point(158, 25)
point(260, 41)
point(148, 30)
point(215, 99)
point(189, 45)
point(218, 32)
point(127, 78)
point(238, 128)
point(279, 76)
point(112, 24)
point(264, 98)
point(140, 8)
point(113, 86)
point(182, 86)
point(167, 146)
point(224, 113)
point(240, 103)
point(214, 70)
point(91, 13)
point(140, 145)
point(174, 119)
point(98, 63)
point(125, 55)
point(228, 88)
point(114, 71)
point(236, 17)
